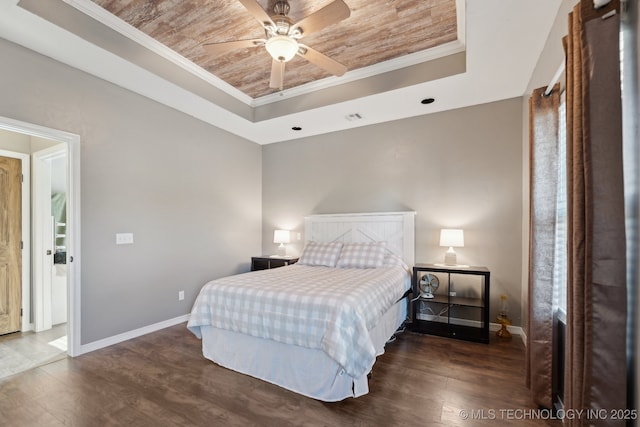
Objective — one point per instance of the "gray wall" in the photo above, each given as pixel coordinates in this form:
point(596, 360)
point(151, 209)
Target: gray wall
point(189, 192)
point(458, 168)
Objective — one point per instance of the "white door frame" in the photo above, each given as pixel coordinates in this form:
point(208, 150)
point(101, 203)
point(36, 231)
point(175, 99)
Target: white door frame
point(26, 236)
point(73, 219)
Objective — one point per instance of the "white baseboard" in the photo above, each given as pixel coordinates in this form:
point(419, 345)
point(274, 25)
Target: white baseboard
point(524, 337)
point(515, 330)
point(106, 342)
point(493, 327)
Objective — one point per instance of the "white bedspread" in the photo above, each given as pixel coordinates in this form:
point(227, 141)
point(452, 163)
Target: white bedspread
point(325, 308)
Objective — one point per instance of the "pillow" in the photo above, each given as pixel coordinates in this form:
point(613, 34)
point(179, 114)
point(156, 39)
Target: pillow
point(320, 253)
point(362, 255)
point(393, 260)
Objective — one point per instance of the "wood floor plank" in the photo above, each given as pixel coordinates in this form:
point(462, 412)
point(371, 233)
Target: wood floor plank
point(162, 379)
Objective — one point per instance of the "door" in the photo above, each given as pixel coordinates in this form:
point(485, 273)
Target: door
point(44, 240)
point(10, 244)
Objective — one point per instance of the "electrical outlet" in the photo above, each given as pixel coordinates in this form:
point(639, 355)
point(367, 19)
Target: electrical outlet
point(180, 295)
point(452, 294)
point(124, 238)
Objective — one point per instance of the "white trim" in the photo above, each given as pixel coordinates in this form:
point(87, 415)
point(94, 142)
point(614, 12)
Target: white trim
point(515, 330)
point(461, 24)
point(26, 236)
point(106, 342)
point(41, 224)
point(96, 12)
point(493, 327)
point(73, 219)
point(74, 258)
point(523, 335)
point(364, 72)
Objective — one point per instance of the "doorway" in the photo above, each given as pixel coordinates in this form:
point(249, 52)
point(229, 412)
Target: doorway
point(49, 224)
point(64, 235)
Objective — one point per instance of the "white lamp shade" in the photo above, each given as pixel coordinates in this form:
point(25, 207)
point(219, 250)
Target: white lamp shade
point(282, 48)
point(281, 236)
point(452, 237)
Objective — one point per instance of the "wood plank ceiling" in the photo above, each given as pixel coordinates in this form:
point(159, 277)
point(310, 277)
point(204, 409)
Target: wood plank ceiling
point(376, 31)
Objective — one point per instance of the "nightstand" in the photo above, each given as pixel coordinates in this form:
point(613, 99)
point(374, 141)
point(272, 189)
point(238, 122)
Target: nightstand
point(459, 308)
point(267, 262)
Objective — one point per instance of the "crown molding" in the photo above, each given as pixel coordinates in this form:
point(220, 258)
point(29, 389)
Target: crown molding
point(96, 12)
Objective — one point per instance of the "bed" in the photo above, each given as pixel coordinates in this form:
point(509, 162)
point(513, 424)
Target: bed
point(317, 326)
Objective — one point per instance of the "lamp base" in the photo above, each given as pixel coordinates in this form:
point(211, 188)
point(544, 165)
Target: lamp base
point(450, 257)
point(503, 333)
point(282, 250)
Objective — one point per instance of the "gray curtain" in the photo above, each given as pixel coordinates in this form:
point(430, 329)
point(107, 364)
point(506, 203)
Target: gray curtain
point(595, 370)
point(543, 182)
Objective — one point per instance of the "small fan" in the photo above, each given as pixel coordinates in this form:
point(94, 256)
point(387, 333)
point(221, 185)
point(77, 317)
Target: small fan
point(282, 35)
point(428, 285)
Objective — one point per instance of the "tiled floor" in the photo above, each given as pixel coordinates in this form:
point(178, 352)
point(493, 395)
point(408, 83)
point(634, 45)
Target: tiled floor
point(25, 350)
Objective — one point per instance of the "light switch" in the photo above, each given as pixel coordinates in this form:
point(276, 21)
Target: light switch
point(124, 238)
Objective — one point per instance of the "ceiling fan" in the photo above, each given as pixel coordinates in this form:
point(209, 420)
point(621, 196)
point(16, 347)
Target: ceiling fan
point(282, 35)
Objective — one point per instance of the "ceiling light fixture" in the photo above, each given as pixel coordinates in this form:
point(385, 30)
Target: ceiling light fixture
point(282, 48)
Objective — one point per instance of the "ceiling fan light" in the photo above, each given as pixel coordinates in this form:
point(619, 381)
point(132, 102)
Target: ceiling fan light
point(282, 48)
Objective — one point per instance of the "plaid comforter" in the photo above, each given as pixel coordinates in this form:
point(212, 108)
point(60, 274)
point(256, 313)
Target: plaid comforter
point(325, 308)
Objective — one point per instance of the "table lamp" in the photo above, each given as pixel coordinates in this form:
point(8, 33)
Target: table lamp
point(451, 238)
point(281, 237)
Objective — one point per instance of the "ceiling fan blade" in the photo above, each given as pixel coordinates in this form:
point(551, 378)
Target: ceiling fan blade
point(258, 12)
point(321, 60)
point(277, 75)
point(330, 14)
point(224, 47)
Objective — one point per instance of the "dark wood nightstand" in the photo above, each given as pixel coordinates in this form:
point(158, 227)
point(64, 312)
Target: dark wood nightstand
point(266, 262)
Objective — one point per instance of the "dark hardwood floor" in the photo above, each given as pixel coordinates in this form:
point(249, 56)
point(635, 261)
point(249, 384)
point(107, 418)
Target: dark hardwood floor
point(162, 379)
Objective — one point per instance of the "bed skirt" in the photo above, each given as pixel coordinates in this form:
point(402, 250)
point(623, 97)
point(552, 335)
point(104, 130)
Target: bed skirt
point(309, 372)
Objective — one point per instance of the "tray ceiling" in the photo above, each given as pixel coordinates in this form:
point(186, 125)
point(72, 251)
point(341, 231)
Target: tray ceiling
point(492, 58)
point(376, 31)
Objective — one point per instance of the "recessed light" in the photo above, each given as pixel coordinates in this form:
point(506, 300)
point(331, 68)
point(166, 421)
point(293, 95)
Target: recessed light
point(296, 128)
point(427, 101)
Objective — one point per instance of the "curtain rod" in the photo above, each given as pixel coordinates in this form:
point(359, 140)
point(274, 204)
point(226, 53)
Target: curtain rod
point(555, 79)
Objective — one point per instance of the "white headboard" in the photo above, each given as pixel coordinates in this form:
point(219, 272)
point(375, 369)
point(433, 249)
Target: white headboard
point(396, 228)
